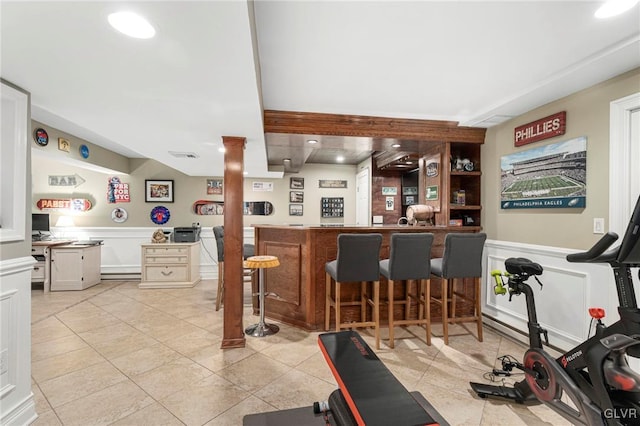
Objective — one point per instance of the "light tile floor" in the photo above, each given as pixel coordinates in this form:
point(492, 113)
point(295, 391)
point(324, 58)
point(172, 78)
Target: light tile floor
point(115, 354)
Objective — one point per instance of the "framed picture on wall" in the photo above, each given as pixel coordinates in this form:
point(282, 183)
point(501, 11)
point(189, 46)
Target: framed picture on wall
point(295, 209)
point(296, 197)
point(158, 191)
point(332, 183)
point(214, 186)
point(389, 203)
point(296, 183)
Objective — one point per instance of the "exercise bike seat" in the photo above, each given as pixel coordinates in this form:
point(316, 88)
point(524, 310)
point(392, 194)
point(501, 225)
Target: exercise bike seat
point(522, 266)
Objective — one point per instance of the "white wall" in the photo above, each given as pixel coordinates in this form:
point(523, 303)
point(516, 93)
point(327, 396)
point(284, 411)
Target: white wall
point(17, 405)
point(121, 252)
point(568, 290)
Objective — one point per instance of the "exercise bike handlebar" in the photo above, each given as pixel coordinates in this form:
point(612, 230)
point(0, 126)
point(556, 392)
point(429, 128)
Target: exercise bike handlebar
point(594, 255)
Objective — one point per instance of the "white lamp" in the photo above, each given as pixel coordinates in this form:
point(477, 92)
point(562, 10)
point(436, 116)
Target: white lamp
point(65, 222)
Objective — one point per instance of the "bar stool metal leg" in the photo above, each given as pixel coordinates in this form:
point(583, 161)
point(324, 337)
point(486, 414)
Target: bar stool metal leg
point(261, 329)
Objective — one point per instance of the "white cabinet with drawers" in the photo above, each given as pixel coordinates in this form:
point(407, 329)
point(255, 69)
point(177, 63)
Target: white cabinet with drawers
point(170, 265)
point(41, 256)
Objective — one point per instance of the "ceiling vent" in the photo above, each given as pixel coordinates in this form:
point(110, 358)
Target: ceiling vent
point(192, 155)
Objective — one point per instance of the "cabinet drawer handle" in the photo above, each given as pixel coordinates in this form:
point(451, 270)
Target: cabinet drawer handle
point(166, 274)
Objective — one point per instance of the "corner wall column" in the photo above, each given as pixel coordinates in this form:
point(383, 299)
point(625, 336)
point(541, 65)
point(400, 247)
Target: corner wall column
point(233, 331)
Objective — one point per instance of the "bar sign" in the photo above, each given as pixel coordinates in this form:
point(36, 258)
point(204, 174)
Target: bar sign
point(545, 128)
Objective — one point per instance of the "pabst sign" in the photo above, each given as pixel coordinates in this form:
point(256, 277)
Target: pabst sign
point(73, 204)
point(545, 128)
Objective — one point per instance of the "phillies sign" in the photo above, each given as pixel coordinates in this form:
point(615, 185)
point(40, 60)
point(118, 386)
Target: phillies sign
point(545, 128)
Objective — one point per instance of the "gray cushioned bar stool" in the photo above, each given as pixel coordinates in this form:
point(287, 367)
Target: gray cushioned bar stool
point(248, 250)
point(409, 259)
point(461, 258)
point(357, 261)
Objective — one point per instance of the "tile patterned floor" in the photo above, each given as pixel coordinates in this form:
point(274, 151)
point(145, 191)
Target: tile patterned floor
point(117, 355)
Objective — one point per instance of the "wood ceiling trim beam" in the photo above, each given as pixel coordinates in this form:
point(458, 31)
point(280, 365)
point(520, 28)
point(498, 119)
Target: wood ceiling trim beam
point(312, 123)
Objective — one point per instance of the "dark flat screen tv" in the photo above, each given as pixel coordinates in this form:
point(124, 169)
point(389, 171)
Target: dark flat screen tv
point(40, 222)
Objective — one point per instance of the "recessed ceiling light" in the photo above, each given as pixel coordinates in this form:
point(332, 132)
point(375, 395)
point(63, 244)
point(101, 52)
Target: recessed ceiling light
point(339, 158)
point(614, 7)
point(245, 173)
point(222, 149)
point(312, 141)
point(131, 24)
point(395, 145)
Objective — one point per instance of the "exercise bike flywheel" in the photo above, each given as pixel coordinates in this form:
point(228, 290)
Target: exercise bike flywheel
point(543, 384)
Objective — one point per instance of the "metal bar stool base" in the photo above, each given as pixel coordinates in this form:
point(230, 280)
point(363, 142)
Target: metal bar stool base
point(261, 330)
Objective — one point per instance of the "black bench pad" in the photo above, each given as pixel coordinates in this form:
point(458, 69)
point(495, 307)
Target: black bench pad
point(371, 391)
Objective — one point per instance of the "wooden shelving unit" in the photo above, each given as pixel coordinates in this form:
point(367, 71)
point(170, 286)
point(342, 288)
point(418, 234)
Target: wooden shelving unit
point(452, 208)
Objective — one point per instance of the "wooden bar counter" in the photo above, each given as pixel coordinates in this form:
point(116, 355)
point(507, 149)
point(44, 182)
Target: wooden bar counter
point(296, 289)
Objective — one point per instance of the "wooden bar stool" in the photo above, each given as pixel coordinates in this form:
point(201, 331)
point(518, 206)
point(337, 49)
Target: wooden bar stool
point(261, 329)
point(357, 261)
point(462, 258)
point(409, 259)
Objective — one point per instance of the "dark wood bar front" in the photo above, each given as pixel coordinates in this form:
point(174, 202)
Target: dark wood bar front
point(296, 289)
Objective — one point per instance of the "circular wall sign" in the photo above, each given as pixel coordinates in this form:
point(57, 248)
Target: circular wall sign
point(119, 215)
point(160, 215)
point(84, 151)
point(41, 136)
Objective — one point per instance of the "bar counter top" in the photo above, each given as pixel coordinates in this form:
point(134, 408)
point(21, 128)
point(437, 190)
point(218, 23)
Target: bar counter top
point(296, 289)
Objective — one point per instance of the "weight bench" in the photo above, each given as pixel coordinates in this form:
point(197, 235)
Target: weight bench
point(368, 394)
point(372, 393)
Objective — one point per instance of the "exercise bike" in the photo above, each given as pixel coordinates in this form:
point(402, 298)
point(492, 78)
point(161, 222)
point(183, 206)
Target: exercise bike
point(595, 375)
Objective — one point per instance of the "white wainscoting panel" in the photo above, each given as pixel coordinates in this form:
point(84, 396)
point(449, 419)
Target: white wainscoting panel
point(16, 398)
point(569, 290)
point(121, 252)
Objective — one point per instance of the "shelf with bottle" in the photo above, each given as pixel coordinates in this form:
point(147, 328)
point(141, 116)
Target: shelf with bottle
point(464, 184)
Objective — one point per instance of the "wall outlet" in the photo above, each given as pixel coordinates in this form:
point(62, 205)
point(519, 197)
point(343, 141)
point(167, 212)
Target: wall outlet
point(4, 361)
point(598, 225)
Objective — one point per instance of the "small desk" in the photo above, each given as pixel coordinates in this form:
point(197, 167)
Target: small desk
point(41, 250)
point(75, 266)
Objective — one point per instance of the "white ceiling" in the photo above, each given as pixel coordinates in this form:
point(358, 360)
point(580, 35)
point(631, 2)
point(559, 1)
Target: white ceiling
point(210, 72)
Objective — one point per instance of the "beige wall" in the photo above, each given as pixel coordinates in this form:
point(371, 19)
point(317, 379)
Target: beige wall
point(587, 115)
point(187, 189)
point(99, 158)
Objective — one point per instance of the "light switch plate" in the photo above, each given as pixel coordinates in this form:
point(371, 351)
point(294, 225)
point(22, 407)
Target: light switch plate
point(598, 225)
